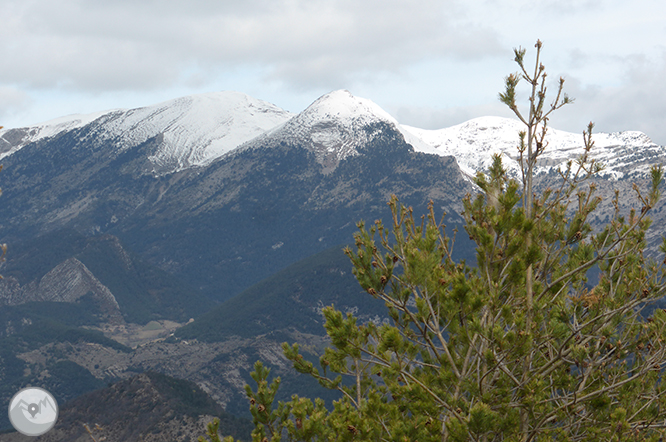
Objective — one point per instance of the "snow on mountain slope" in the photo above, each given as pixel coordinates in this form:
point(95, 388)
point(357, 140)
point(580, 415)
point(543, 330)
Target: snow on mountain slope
point(12, 140)
point(195, 129)
point(333, 127)
point(474, 142)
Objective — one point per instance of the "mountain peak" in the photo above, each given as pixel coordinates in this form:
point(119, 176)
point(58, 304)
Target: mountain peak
point(194, 129)
point(473, 143)
point(333, 127)
point(341, 104)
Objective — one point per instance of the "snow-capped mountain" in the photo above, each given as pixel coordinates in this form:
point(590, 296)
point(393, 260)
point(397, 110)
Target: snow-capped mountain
point(474, 142)
point(13, 140)
point(194, 130)
point(220, 191)
point(333, 127)
point(255, 163)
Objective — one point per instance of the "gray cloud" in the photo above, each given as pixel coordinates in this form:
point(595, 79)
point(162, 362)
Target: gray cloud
point(87, 55)
point(637, 102)
point(102, 46)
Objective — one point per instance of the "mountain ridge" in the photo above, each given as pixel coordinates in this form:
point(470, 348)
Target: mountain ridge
point(473, 143)
point(222, 121)
point(275, 197)
point(199, 129)
point(226, 224)
point(333, 127)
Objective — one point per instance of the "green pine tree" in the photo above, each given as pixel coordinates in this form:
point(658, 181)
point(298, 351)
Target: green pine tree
point(515, 348)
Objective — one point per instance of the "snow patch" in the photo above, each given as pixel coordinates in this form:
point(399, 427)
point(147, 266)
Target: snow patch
point(195, 129)
point(474, 142)
point(333, 127)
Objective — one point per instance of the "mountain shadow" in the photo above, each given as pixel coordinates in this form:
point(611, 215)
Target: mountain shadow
point(291, 299)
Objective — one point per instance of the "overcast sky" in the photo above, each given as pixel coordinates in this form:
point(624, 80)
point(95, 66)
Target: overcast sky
point(431, 64)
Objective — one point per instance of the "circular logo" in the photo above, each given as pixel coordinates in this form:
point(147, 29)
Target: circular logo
point(33, 411)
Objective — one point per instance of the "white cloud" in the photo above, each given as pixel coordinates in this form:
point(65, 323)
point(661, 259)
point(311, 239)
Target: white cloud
point(433, 62)
point(632, 97)
point(636, 102)
point(101, 46)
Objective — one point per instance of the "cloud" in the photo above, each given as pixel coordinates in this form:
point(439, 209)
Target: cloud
point(636, 102)
point(641, 103)
point(426, 117)
point(13, 101)
point(410, 57)
point(126, 45)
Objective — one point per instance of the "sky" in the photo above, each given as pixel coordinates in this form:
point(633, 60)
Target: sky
point(429, 63)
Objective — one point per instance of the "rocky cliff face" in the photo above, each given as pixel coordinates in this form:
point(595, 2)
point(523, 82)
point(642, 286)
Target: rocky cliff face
point(97, 274)
point(69, 281)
